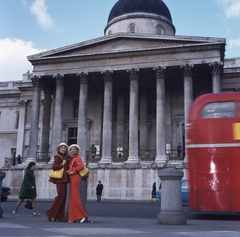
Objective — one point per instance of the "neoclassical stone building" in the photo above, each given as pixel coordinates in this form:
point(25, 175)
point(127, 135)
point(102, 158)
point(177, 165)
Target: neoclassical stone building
point(133, 87)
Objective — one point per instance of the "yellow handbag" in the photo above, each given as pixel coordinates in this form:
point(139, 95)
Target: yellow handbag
point(56, 174)
point(84, 171)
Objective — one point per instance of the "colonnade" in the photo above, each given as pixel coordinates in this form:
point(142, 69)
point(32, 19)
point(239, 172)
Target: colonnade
point(107, 112)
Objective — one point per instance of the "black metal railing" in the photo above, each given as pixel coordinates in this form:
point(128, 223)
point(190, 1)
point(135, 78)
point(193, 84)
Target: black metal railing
point(43, 156)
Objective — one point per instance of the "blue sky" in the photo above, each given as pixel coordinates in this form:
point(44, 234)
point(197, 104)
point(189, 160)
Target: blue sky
point(32, 26)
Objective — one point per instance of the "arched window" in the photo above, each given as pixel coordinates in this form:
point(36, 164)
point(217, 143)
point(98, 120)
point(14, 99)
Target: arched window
point(159, 30)
point(132, 28)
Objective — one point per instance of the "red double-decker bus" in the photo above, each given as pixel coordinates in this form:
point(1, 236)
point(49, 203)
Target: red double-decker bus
point(213, 152)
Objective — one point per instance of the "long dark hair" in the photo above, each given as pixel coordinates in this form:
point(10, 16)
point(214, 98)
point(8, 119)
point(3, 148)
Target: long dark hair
point(30, 165)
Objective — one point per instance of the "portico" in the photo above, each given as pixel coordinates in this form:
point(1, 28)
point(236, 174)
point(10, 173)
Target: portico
point(130, 97)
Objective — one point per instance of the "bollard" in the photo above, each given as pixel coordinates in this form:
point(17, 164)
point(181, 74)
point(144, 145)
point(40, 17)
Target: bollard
point(83, 193)
point(2, 176)
point(171, 212)
point(67, 203)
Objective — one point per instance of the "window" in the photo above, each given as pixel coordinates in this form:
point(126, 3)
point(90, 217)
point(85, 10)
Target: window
point(72, 136)
point(219, 110)
point(159, 30)
point(17, 120)
point(75, 109)
point(132, 28)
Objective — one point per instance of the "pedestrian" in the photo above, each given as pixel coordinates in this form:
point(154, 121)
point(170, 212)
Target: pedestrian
point(99, 190)
point(93, 151)
point(28, 189)
point(119, 151)
point(179, 149)
point(6, 165)
point(76, 211)
point(19, 159)
point(56, 211)
point(154, 192)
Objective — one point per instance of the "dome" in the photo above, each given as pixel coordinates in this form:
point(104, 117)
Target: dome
point(123, 7)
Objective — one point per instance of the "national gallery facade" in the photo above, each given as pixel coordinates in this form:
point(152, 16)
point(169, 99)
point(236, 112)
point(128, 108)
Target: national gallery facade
point(132, 87)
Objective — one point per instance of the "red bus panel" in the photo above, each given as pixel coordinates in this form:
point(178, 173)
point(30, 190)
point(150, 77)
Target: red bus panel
point(213, 152)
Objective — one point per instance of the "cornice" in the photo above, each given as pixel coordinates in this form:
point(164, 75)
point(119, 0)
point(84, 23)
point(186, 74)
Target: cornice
point(231, 75)
point(127, 53)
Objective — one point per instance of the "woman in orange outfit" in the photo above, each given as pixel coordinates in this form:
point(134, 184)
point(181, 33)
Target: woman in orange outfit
point(76, 212)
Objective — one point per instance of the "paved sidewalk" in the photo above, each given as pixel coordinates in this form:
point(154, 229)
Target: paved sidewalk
point(28, 225)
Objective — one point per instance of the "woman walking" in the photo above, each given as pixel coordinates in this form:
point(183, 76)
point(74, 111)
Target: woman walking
point(28, 189)
point(76, 211)
point(56, 211)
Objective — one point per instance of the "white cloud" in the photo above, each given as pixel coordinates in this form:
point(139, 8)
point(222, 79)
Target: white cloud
point(230, 7)
point(24, 2)
point(234, 43)
point(39, 9)
point(13, 58)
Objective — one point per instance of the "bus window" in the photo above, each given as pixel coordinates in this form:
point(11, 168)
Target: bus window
point(218, 110)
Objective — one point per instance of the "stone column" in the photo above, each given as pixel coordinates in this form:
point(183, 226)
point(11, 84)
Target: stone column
point(21, 126)
point(133, 117)
point(33, 137)
point(188, 96)
point(58, 114)
point(44, 146)
point(216, 68)
point(171, 199)
point(160, 116)
point(143, 122)
point(82, 114)
point(120, 119)
point(107, 119)
point(188, 89)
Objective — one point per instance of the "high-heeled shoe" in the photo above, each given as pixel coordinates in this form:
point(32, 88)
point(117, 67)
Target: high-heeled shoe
point(49, 218)
point(82, 220)
point(37, 214)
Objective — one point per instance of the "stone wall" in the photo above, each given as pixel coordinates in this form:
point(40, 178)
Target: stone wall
point(119, 183)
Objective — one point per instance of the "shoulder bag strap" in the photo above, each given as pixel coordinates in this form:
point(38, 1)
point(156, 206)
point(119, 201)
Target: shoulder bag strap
point(72, 164)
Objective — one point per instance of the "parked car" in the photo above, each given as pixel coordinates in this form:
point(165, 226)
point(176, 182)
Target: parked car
point(4, 194)
point(184, 189)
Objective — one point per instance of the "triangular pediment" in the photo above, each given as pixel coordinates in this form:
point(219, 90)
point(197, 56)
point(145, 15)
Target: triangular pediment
point(120, 43)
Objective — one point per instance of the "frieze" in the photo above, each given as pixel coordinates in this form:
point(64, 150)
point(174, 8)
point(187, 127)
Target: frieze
point(140, 52)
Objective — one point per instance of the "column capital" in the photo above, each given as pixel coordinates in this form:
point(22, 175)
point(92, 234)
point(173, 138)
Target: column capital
point(36, 80)
point(107, 75)
point(59, 78)
point(187, 69)
point(133, 73)
point(160, 71)
point(22, 102)
point(83, 77)
point(216, 68)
